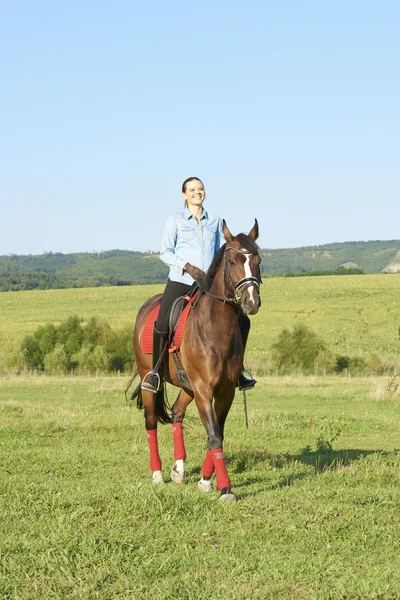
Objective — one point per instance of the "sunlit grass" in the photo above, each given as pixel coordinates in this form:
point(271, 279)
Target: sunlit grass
point(81, 520)
point(355, 315)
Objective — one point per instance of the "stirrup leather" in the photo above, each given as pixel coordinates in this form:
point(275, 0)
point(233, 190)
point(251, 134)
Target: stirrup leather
point(145, 385)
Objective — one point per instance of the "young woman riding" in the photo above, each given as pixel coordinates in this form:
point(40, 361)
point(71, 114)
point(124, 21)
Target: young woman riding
point(191, 239)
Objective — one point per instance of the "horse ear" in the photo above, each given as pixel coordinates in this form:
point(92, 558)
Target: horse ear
point(253, 234)
point(227, 234)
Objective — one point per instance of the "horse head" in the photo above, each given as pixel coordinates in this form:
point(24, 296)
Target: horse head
point(242, 268)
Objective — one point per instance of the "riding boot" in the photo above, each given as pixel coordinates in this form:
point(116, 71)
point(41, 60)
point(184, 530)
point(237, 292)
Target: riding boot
point(152, 381)
point(245, 383)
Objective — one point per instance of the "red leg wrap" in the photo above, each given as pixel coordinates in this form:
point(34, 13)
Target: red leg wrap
point(207, 468)
point(179, 444)
point(155, 462)
point(223, 480)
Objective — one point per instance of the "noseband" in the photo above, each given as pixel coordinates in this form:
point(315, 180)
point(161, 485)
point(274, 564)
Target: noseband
point(240, 286)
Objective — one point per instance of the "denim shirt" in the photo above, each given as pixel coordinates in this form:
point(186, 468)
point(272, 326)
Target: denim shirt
point(184, 241)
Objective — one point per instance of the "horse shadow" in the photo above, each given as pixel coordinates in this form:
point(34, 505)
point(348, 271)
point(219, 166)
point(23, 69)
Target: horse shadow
point(320, 461)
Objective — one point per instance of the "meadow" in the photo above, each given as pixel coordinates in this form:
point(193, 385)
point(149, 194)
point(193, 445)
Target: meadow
point(355, 315)
point(316, 474)
point(80, 519)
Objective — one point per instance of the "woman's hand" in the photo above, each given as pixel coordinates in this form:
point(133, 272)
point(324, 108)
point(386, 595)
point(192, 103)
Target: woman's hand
point(197, 274)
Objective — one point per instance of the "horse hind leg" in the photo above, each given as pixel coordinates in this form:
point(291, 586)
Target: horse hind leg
point(154, 405)
point(178, 412)
point(150, 416)
point(178, 471)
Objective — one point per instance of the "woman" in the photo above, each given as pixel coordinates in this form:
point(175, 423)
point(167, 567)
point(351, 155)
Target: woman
point(191, 239)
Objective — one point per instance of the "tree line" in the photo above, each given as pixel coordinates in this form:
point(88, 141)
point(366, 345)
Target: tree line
point(124, 267)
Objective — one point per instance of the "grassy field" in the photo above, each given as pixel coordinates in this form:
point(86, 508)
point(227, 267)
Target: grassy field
point(355, 315)
point(80, 519)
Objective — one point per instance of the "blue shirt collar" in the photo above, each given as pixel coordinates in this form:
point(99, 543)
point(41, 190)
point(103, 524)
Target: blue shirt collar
point(188, 215)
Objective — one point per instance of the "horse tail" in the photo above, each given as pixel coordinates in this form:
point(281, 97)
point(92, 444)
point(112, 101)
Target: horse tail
point(162, 407)
point(137, 393)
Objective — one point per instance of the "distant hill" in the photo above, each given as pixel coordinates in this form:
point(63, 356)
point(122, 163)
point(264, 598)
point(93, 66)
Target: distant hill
point(54, 270)
point(371, 257)
point(125, 267)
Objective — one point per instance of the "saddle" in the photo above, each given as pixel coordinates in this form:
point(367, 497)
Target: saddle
point(177, 319)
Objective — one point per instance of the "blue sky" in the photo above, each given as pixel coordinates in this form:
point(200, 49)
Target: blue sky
point(288, 111)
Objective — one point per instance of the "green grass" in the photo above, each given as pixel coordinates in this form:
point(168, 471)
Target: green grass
point(355, 315)
point(81, 520)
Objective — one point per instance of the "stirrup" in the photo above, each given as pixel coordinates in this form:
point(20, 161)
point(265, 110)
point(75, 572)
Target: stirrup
point(244, 383)
point(146, 385)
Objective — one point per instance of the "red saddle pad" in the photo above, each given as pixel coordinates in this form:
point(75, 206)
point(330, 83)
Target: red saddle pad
point(147, 335)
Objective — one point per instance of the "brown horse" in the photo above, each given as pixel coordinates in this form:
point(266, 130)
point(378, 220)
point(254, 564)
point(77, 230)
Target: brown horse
point(211, 354)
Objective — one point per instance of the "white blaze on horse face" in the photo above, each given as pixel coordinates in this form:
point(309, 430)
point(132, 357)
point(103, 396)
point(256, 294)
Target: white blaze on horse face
point(248, 273)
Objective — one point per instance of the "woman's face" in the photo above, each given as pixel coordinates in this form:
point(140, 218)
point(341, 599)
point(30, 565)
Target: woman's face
point(194, 193)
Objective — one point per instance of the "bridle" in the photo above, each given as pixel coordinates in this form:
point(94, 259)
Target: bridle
point(240, 286)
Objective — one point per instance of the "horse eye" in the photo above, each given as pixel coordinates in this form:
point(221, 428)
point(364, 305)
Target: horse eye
point(232, 262)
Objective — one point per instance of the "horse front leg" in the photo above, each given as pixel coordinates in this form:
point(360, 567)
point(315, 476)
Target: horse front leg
point(222, 405)
point(215, 459)
point(178, 413)
point(150, 417)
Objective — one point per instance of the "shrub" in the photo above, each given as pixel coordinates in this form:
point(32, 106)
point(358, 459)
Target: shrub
point(374, 364)
point(32, 355)
point(325, 361)
point(74, 342)
point(71, 327)
point(57, 361)
point(14, 357)
point(120, 351)
point(298, 349)
point(353, 364)
point(97, 333)
point(84, 359)
point(357, 364)
point(329, 432)
point(100, 359)
point(46, 337)
point(88, 348)
point(342, 363)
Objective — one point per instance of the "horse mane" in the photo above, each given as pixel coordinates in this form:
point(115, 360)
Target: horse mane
point(245, 241)
point(213, 268)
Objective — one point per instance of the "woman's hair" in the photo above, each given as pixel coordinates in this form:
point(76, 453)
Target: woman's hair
point(184, 184)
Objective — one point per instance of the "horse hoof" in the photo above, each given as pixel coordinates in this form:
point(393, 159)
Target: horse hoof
point(177, 476)
point(205, 485)
point(157, 478)
point(228, 498)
